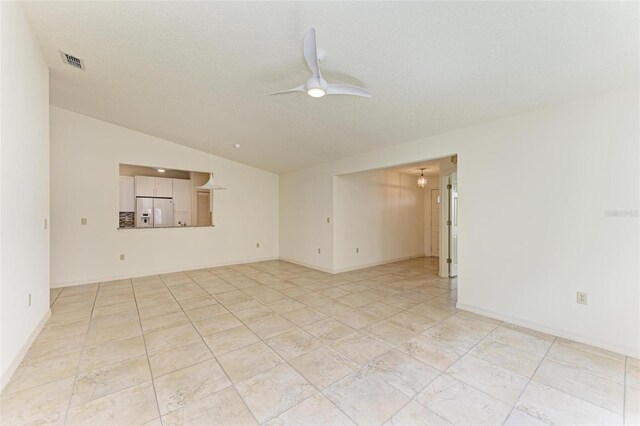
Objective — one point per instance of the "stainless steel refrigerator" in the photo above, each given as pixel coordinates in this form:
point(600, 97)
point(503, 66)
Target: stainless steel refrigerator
point(154, 212)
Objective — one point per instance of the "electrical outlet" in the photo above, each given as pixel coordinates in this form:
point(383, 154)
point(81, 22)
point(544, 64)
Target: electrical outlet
point(581, 298)
point(318, 251)
point(257, 245)
point(122, 257)
point(357, 250)
point(29, 299)
point(83, 221)
point(328, 220)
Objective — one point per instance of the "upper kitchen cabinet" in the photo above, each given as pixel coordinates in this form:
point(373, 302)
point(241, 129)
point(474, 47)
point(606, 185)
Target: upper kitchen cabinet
point(164, 187)
point(147, 186)
point(127, 194)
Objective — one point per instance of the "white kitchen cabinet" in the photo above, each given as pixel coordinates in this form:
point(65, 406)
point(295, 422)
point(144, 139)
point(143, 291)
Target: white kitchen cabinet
point(145, 186)
point(164, 187)
point(127, 194)
point(181, 195)
point(182, 201)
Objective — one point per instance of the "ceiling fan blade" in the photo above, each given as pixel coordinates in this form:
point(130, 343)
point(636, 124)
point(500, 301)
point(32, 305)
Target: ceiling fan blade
point(300, 88)
point(345, 89)
point(311, 52)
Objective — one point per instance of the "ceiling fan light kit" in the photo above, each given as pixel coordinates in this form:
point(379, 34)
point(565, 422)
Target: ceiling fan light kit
point(317, 86)
point(211, 183)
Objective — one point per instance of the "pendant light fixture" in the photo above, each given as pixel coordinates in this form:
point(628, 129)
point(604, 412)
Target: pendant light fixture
point(211, 184)
point(422, 181)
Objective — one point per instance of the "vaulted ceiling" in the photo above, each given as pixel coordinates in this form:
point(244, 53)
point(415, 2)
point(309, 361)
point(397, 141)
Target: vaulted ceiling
point(192, 72)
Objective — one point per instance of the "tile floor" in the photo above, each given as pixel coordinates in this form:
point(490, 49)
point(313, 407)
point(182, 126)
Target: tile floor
point(275, 343)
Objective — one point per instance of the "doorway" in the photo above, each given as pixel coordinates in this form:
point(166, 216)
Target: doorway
point(203, 208)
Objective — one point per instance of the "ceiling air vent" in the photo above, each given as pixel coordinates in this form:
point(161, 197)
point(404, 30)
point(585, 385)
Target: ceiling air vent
point(72, 60)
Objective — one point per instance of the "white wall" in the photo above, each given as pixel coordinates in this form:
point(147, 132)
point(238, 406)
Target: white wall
point(85, 156)
point(24, 188)
point(533, 191)
point(379, 212)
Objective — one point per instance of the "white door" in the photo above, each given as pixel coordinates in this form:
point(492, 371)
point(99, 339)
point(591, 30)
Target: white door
point(453, 227)
point(127, 194)
point(435, 222)
point(145, 186)
point(164, 187)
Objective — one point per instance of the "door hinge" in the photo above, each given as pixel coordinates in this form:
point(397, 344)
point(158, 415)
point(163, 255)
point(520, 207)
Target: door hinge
point(448, 223)
point(449, 260)
point(449, 186)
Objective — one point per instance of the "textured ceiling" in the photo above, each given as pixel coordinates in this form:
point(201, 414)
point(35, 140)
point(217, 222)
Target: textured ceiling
point(191, 72)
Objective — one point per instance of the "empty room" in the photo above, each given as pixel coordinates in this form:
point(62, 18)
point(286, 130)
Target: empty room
point(319, 213)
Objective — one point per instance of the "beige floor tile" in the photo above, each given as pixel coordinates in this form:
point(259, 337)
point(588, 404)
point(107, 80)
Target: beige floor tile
point(632, 406)
point(315, 410)
point(175, 358)
point(270, 326)
point(112, 378)
point(323, 366)
point(168, 337)
point(293, 343)
point(216, 324)
point(285, 305)
point(496, 381)
point(175, 319)
point(118, 350)
point(573, 381)
point(435, 354)
point(414, 414)
point(389, 333)
point(43, 371)
point(274, 391)
point(333, 308)
point(521, 341)
point(460, 403)
point(119, 308)
point(604, 367)
point(136, 404)
point(460, 338)
point(223, 408)
point(520, 418)
point(367, 400)
point(329, 330)
point(248, 361)
point(151, 311)
point(381, 309)
point(360, 347)
point(304, 316)
point(411, 321)
point(523, 363)
point(205, 312)
point(197, 302)
point(183, 387)
point(358, 318)
point(554, 407)
point(45, 404)
point(401, 371)
point(230, 340)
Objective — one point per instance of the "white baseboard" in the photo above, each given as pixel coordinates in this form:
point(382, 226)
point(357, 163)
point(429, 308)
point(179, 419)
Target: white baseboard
point(381, 262)
point(157, 272)
point(549, 330)
point(306, 265)
point(8, 373)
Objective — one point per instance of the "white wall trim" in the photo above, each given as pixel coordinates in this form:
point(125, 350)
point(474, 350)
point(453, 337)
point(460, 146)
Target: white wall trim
point(163, 271)
point(306, 265)
point(11, 369)
point(549, 330)
point(381, 262)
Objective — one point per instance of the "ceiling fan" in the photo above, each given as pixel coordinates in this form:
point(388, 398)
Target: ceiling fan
point(317, 86)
